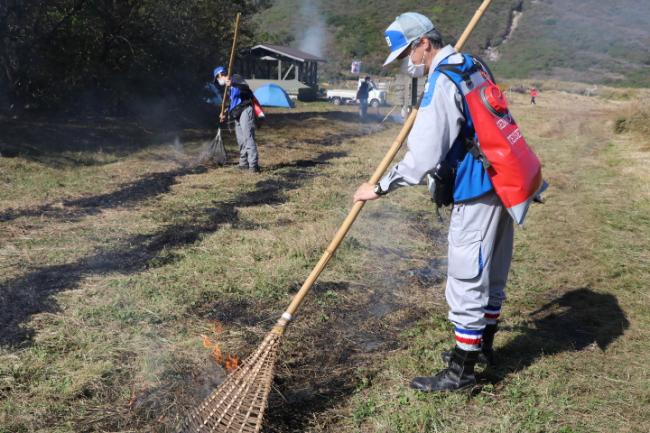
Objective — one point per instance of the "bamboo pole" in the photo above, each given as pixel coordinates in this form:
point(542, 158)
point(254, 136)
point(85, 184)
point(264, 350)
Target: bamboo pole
point(470, 27)
point(231, 62)
point(356, 208)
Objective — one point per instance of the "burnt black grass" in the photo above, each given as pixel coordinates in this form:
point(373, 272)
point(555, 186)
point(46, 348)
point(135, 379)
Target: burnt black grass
point(31, 293)
point(129, 194)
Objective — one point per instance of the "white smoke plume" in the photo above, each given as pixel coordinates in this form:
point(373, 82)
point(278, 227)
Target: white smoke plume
point(312, 30)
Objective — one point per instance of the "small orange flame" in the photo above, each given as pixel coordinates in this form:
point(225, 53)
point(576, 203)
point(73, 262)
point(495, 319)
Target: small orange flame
point(216, 354)
point(206, 342)
point(230, 362)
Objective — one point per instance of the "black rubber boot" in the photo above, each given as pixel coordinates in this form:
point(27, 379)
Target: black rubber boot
point(487, 343)
point(486, 357)
point(459, 375)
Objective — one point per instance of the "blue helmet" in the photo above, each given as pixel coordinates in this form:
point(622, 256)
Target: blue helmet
point(218, 70)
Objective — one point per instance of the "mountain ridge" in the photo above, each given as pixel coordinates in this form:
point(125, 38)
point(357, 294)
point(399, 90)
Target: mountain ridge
point(593, 41)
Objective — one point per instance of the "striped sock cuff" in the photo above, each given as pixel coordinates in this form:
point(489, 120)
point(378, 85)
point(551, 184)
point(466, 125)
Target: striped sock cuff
point(491, 314)
point(468, 339)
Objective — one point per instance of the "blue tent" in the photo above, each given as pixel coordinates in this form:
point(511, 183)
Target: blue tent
point(272, 95)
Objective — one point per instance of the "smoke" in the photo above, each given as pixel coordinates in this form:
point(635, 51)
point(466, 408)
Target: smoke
point(311, 29)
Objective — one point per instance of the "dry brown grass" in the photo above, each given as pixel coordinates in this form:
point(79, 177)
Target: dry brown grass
point(583, 255)
point(141, 254)
point(122, 290)
point(635, 118)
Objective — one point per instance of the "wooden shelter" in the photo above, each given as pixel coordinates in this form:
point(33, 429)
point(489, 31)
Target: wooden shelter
point(294, 70)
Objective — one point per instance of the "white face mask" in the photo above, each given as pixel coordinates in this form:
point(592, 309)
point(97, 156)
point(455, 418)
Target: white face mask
point(221, 81)
point(411, 69)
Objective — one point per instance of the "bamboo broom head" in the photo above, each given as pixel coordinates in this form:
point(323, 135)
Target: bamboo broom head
point(219, 150)
point(216, 152)
point(238, 404)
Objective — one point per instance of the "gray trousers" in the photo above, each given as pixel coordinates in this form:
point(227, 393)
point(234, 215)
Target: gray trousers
point(480, 251)
point(245, 132)
point(363, 108)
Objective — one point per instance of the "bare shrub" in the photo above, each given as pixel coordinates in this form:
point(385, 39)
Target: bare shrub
point(635, 119)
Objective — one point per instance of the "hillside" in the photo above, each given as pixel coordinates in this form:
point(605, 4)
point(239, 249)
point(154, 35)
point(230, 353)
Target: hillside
point(591, 41)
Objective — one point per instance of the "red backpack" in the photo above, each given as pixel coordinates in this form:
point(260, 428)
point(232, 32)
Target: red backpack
point(513, 168)
point(257, 109)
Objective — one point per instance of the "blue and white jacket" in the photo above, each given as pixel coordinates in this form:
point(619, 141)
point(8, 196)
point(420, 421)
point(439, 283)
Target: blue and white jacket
point(240, 93)
point(440, 132)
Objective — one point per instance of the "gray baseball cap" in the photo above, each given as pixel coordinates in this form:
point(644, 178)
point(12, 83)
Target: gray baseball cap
point(405, 29)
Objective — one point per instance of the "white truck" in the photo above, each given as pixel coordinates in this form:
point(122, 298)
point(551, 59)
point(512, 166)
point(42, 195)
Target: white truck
point(376, 97)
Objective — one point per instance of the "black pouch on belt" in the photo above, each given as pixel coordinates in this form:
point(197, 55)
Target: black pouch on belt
point(239, 109)
point(444, 177)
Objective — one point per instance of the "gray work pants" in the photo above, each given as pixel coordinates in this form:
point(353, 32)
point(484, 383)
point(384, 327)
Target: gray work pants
point(245, 132)
point(480, 251)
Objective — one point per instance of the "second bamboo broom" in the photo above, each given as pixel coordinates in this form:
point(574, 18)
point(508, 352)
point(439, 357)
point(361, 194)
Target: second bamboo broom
point(238, 404)
point(216, 152)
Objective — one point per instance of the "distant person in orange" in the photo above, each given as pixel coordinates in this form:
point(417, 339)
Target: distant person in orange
point(533, 94)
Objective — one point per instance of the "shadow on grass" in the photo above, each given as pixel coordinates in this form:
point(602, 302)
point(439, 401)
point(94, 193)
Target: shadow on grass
point(59, 141)
point(32, 293)
point(152, 184)
point(128, 194)
point(64, 141)
point(577, 320)
point(277, 120)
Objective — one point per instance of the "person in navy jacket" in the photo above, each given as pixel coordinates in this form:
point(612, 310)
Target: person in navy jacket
point(240, 109)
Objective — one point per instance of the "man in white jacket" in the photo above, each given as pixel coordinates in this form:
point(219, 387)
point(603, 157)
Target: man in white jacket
point(481, 230)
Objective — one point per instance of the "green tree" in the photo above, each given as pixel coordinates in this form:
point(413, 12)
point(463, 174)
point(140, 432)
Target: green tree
point(109, 53)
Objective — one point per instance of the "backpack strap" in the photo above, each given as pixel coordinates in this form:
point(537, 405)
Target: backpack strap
point(461, 75)
point(450, 70)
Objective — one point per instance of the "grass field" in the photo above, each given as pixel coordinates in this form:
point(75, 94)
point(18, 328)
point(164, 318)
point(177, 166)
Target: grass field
point(118, 253)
